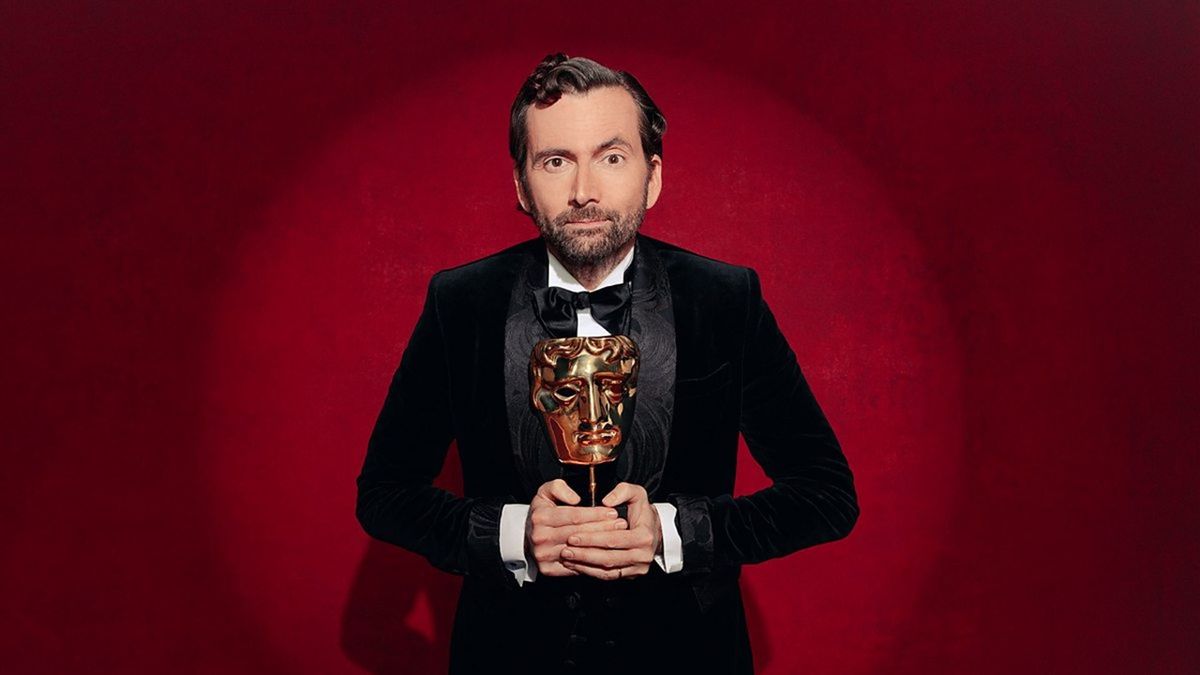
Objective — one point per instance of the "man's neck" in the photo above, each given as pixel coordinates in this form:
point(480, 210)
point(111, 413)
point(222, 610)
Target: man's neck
point(590, 276)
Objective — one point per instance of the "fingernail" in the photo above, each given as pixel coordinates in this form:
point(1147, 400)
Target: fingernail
point(574, 541)
point(568, 553)
point(612, 513)
point(620, 524)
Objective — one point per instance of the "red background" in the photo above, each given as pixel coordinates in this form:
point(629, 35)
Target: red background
point(976, 224)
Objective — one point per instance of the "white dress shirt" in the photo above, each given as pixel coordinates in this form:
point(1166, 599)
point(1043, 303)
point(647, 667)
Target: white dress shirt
point(513, 517)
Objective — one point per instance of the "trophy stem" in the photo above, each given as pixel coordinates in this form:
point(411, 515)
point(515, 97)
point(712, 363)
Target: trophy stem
point(592, 481)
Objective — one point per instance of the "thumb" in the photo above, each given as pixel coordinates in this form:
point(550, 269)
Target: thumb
point(559, 490)
point(623, 492)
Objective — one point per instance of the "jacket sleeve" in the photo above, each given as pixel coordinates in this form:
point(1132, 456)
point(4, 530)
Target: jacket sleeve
point(811, 499)
point(397, 501)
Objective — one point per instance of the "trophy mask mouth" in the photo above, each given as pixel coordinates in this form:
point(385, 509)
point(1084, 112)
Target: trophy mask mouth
point(604, 437)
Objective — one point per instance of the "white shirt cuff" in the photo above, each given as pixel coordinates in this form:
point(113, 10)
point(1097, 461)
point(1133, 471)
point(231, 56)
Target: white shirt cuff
point(512, 542)
point(671, 559)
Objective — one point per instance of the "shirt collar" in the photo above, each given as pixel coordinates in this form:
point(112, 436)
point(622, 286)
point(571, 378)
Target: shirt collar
point(561, 278)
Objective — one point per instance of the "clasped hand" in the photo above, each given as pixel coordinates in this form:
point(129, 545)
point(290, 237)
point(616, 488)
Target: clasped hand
point(568, 540)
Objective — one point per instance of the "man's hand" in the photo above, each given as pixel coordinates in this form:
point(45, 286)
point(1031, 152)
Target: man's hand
point(551, 524)
point(618, 554)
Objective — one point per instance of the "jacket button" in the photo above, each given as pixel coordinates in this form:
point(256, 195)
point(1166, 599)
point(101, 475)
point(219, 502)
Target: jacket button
point(609, 644)
point(573, 600)
point(612, 602)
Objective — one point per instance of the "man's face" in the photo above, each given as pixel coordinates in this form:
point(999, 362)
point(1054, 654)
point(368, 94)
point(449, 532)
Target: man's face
point(587, 183)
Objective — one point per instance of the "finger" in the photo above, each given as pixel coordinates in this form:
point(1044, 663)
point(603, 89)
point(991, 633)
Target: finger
point(643, 514)
point(604, 525)
point(607, 574)
point(554, 515)
point(598, 557)
point(556, 569)
point(625, 492)
point(544, 535)
point(597, 572)
point(622, 539)
point(575, 515)
point(548, 553)
point(558, 489)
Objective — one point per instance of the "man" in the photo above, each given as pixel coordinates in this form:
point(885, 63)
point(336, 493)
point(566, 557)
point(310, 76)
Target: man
point(552, 585)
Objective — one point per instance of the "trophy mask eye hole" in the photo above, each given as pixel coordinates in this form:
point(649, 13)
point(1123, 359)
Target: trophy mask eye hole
point(566, 392)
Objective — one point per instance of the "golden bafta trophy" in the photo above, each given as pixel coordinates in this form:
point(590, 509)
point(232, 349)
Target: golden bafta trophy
point(584, 388)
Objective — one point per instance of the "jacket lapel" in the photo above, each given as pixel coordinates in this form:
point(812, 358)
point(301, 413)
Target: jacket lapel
point(533, 457)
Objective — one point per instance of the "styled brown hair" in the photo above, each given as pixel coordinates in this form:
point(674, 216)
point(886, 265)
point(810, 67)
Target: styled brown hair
point(559, 74)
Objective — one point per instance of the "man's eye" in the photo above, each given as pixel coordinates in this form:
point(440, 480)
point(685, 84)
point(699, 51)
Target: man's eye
point(614, 159)
point(554, 163)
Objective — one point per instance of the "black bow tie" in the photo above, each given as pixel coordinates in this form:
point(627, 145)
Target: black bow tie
point(556, 308)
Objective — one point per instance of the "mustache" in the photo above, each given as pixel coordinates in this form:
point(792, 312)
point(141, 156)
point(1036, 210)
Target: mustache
point(575, 215)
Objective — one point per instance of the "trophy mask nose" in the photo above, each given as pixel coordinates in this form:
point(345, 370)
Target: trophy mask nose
point(592, 408)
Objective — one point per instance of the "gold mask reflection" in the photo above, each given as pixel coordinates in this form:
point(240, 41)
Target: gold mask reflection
point(584, 388)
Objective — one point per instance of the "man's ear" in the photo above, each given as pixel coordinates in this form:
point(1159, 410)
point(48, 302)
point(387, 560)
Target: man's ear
point(521, 200)
point(654, 187)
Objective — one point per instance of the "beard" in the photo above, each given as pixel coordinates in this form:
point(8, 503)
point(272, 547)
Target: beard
point(576, 247)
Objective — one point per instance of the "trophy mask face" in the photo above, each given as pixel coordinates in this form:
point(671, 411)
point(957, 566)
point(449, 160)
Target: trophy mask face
point(584, 388)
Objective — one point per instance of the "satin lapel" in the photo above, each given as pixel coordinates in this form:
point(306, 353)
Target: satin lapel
point(533, 457)
point(652, 328)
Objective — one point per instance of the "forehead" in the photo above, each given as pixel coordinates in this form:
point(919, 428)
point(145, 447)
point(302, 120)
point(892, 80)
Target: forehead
point(583, 121)
point(585, 365)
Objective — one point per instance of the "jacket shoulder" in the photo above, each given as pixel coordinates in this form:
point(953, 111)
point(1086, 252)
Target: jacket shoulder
point(708, 276)
point(499, 268)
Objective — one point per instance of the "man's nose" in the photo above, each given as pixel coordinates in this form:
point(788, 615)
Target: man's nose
point(584, 189)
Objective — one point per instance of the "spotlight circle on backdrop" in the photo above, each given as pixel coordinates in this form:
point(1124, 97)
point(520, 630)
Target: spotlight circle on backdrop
point(322, 297)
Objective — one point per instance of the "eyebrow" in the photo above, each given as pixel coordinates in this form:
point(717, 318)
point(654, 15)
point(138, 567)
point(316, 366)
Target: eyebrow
point(552, 152)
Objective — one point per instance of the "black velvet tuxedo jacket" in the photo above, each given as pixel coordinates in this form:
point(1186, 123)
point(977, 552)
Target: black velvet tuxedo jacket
point(730, 371)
